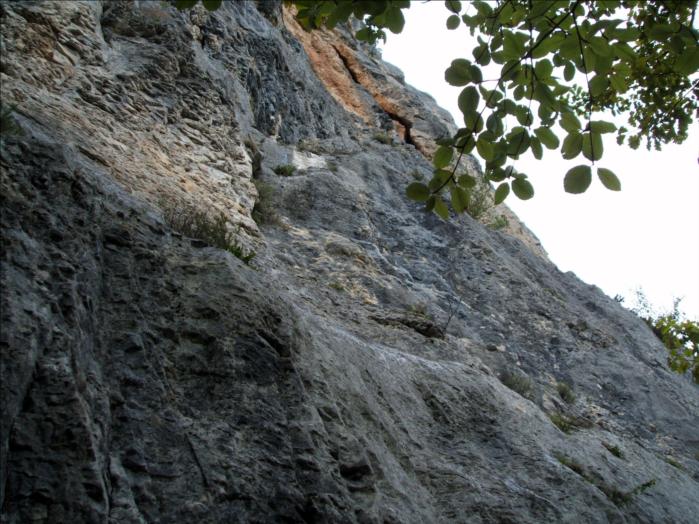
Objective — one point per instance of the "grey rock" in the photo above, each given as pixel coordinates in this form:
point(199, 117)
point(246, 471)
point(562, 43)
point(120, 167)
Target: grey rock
point(350, 374)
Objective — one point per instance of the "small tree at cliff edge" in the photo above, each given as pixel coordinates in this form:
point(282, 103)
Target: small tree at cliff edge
point(561, 62)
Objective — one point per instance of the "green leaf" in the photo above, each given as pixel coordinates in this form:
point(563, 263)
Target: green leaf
point(688, 62)
point(624, 51)
point(598, 85)
point(535, 146)
point(522, 188)
point(496, 174)
point(185, 4)
point(609, 179)
point(459, 72)
point(438, 180)
point(481, 54)
point(454, 6)
point(603, 66)
point(485, 149)
point(551, 43)
point(577, 179)
point(572, 145)
point(547, 137)
point(466, 143)
point(592, 147)
point(545, 96)
point(417, 191)
point(473, 121)
point(600, 126)
point(663, 31)
point(394, 19)
point(570, 48)
point(468, 99)
point(501, 193)
point(467, 181)
point(543, 69)
point(569, 71)
point(494, 125)
point(517, 141)
point(600, 46)
point(513, 44)
point(429, 205)
point(211, 5)
point(340, 14)
point(459, 198)
point(442, 157)
point(441, 209)
point(545, 114)
point(569, 122)
point(618, 83)
point(590, 59)
point(483, 8)
point(524, 116)
point(453, 22)
point(363, 35)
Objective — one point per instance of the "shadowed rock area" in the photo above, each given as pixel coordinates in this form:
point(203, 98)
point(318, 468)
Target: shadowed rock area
point(372, 363)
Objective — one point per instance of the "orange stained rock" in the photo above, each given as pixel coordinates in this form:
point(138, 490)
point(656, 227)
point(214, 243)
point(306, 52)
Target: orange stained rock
point(327, 64)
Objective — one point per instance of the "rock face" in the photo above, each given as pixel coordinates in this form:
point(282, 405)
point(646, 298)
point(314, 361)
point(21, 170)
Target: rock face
point(372, 364)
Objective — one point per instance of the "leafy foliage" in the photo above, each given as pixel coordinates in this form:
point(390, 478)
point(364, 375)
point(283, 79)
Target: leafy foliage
point(517, 382)
point(558, 63)
point(499, 222)
point(614, 450)
point(211, 5)
point(567, 424)
point(565, 392)
point(681, 338)
point(265, 209)
point(679, 335)
point(285, 170)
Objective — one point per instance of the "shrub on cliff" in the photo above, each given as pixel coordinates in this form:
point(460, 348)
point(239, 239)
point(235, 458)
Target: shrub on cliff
point(679, 335)
point(211, 229)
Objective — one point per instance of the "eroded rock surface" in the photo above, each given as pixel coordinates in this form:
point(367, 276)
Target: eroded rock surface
point(358, 369)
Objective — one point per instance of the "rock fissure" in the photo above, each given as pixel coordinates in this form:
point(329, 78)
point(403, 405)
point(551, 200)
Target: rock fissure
point(403, 126)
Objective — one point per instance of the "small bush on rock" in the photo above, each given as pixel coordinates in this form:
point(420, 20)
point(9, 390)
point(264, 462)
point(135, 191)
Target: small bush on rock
point(285, 170)
point(264, 210)
point(418, 309)
point(568, 424)
point(679, 335)
point(384, 138)
point(614, 450)
point(565, 392)
point(499, 222)
point(517, 382)
point(190, 222)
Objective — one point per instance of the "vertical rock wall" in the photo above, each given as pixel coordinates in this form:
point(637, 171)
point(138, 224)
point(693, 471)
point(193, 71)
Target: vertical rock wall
point(372, 364)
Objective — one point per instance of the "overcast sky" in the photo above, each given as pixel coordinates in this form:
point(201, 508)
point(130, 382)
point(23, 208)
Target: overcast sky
point(646, 236)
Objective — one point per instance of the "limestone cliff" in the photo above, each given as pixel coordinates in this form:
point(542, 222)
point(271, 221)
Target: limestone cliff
point(372, 364)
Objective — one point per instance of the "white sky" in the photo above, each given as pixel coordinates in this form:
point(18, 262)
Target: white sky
point(646, 236)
